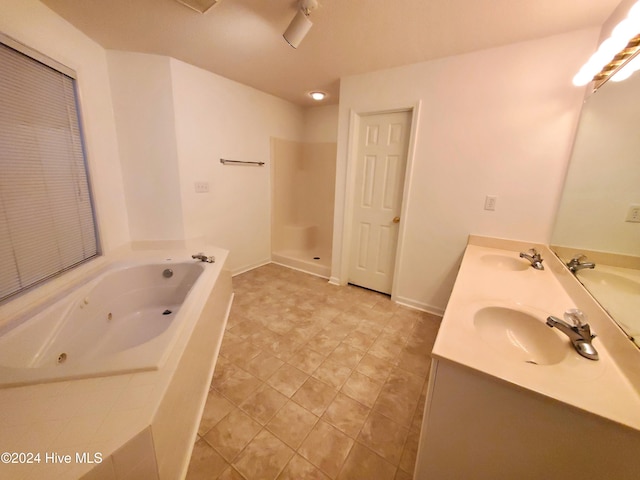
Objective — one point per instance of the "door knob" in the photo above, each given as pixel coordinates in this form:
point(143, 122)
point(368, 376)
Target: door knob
point(396, 219)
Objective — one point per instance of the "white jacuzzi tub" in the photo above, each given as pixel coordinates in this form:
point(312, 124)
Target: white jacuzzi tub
point(125, 320)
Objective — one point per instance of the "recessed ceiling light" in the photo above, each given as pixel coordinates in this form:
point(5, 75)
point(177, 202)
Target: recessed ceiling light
point(317, 95)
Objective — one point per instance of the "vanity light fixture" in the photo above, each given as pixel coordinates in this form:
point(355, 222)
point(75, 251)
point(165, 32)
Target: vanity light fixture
point(300, 25)
point(317, 96)
point(614, 53)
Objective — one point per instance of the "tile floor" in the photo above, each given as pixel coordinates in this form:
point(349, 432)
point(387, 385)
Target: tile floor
point(314, 381)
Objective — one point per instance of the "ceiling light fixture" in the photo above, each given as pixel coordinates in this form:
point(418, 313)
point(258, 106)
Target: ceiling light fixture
point(614, 53)
point(300, 25)
point(317, 96)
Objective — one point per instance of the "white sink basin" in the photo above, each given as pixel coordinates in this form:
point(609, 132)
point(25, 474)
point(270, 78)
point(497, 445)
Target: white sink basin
point(504, 262)
point(520, 336)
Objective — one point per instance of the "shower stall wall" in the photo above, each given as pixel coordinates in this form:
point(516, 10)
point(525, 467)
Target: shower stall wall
point(303, 186)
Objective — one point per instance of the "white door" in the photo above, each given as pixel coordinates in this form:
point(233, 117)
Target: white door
point(383, 141)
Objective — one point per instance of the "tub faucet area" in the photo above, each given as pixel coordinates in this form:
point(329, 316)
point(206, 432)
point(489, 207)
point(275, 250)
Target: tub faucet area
point(203, 258)
point(578, 262)
point(579, 333)
point(534, 258)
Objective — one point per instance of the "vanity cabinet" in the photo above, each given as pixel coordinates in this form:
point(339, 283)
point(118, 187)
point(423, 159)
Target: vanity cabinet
point(478, 427)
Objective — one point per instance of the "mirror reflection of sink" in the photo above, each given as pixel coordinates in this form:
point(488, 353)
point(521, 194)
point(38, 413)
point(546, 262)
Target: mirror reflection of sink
point(520, 336)
point(504, 262)
point(611, 280)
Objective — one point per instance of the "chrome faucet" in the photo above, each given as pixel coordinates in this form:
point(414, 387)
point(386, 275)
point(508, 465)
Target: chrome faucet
point(579, 333)
point(534, 257)
point(203, 258)
point(578, 263)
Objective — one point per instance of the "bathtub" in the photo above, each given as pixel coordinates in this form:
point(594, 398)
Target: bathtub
point(124, 320)
point(131, 387)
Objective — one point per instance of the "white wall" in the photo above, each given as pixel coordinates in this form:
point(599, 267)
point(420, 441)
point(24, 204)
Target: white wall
point(218, 118)
point(499, 122)
point(321, 124)
point(143, 106)
point(34, 25)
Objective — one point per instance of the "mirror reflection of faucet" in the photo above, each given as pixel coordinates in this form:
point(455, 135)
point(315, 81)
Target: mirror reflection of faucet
point(577, 330)
point(534, 258)
point(578, 262)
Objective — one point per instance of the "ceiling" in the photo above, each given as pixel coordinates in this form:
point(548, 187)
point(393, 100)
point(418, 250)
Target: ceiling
point(242, 39)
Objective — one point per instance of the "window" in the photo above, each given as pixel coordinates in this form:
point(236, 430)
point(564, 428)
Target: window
point(46, 216)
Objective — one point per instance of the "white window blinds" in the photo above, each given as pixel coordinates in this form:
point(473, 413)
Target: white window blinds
point(46, 216)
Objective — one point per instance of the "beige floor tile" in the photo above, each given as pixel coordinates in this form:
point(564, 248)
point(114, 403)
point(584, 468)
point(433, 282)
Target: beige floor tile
point(332, 373)
point(263, 404)
point(346, 414)
point(215, 409)
point(410, 452)
point(300, 469)
point(315, 396)
point(263, 365)
point(292, 424)
point(239, 386)
point(205, 462)
point(363, 463)
point(375, 368)
point(306, 360)
point(223, 371)
point(327, 448)
point(386, 348)
point(323, 343)
point(362, 388)
point(360, 340)
point(230, 474)
point(291, 343)
point(401, 475)
point(346, 355)
point(232, 434)
point(384, 436)
point(287, 379)
point(264, 458)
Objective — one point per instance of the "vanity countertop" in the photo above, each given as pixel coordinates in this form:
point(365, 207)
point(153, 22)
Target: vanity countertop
point(493, 275)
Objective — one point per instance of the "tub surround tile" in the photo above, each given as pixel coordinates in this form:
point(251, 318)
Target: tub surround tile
point(316, 382)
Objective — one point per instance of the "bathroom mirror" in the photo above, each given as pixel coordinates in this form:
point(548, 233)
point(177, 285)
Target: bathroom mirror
point(599, 214)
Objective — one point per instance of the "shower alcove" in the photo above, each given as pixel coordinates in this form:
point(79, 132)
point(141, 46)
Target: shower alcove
point(303, 186)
